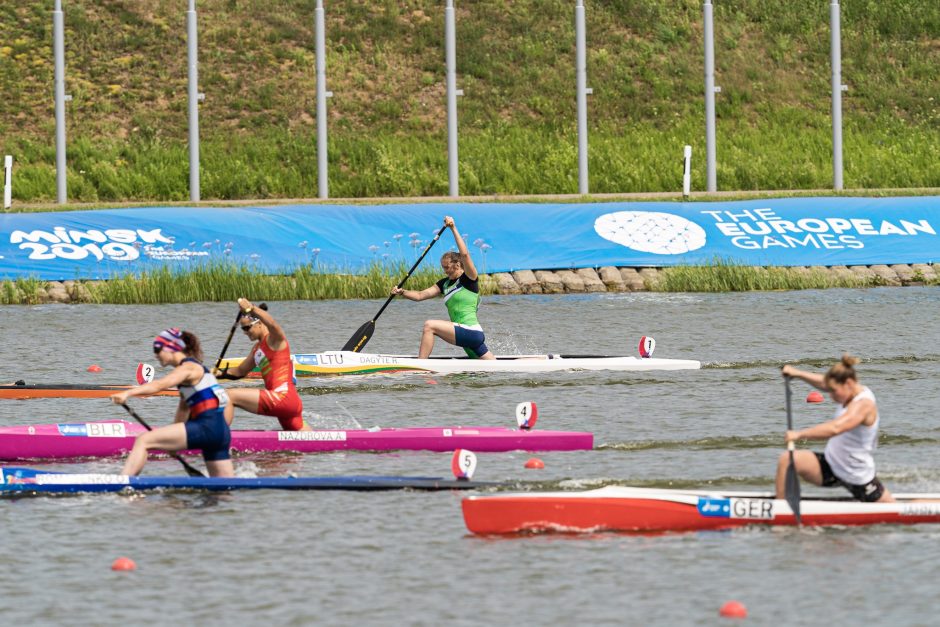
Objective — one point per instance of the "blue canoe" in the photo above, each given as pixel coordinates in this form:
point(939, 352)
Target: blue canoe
point(20, 481)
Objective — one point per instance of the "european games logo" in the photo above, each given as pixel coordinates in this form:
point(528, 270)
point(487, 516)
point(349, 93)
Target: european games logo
point(651, 232)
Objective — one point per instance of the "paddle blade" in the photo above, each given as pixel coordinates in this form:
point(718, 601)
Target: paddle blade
point(647, 346)
point(361, 337)
point(792, 488)
point(192, 472)
point(463, 464)
point(526, 415)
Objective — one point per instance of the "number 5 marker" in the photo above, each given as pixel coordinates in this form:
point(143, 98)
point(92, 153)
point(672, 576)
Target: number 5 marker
point(463, 464)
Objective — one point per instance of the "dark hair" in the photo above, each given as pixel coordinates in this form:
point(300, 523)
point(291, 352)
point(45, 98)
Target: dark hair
point(193, 348)
point(843, 371)
point(251, 314)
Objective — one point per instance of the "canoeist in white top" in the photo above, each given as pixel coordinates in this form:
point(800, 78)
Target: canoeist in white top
point(852, 437)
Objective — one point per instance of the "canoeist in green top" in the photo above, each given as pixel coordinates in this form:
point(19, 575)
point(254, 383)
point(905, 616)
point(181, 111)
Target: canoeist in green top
point(461, 291)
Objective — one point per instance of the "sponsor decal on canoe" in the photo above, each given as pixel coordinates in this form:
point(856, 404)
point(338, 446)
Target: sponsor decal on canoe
point(920, 509)
point(750, 509)
point(308, 436)
point(94, 430)
point(54, 479)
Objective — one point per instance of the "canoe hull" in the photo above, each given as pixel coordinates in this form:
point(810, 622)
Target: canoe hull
point(23, 392)
point(332, 363)
point(116, 437)
point(27, 481)
point(648, 510)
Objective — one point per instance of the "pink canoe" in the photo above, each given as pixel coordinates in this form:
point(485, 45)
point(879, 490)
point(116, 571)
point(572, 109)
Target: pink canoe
point(116, 437)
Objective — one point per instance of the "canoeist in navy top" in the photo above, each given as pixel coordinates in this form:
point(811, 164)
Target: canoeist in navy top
point(271, 355)
point(202, 416)
point(461, 291)
point(852, 437)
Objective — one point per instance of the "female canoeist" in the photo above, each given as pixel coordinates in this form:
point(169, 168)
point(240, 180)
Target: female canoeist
point(202, 416)
point(852, 436)
point(461, 291)
point(271, 354)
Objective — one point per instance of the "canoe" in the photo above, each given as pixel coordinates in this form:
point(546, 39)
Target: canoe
point(617, 508)
point(27, 391)
point(348, 362)
point(28, 481)
point(116, 437)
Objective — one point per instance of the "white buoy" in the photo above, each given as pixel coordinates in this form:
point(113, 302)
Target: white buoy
point(463, 464)
point(145, 373)
point(526, 415)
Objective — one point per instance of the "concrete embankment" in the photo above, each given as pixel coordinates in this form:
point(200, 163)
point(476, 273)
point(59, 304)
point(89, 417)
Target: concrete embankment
point(583, 280)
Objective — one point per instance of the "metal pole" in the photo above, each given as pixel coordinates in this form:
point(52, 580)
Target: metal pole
point(58, 51)
point(710, 90)
point(686, 171)
point(7, 181)
point(323, 190)
point(837, 87)
point(582, 92)
point(192, 59)
point(450, 44)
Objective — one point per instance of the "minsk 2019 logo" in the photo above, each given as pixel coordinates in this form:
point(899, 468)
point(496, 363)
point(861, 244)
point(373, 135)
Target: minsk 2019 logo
point(651, 232)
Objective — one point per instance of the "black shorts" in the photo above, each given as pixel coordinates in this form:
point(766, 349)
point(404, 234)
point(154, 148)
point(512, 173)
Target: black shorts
point(869, 492)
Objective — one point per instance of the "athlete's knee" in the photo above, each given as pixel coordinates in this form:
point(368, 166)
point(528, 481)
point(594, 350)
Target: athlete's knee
point(429, 326)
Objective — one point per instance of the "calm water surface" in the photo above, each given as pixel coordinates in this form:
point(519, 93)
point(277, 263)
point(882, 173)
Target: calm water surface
point(406, 558)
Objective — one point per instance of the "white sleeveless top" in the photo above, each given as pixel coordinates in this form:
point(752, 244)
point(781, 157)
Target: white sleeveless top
point(849, 453)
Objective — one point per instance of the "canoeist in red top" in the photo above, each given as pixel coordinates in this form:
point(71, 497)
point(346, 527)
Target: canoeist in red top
point(271, 354)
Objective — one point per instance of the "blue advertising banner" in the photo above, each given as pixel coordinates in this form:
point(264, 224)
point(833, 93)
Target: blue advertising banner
point(502, 237)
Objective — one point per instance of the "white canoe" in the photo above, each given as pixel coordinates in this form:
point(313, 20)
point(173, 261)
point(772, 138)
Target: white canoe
point(348, 362)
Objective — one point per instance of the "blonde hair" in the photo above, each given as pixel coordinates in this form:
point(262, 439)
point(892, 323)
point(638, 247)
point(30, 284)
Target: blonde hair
point(450, 257)
point(842, 371)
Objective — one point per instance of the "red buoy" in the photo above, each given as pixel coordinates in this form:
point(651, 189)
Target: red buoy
point(535, 464)
point(94, 368)
point(123, 563)
point(733, 609)
point(815, 397)
point(431, 382)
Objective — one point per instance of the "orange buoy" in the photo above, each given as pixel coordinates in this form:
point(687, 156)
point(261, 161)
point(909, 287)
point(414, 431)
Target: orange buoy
point(535, 464)
point(733, 609)
point(815, 397)
point(94, 368)
point(123, 563)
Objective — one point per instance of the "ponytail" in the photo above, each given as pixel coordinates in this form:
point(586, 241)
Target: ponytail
point(193, 348)
point(843, 371)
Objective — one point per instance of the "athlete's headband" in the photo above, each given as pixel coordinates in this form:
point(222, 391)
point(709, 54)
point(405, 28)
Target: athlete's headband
point(171, 339)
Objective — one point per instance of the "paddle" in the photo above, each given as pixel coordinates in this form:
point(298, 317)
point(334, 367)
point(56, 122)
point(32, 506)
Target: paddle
point(228, 341)
point(792, 484)
point(364, 333)
point(192, 472)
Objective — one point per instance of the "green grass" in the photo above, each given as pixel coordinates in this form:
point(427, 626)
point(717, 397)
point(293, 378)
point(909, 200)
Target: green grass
point(228, 282)
point(724, 276)
point(126, 68)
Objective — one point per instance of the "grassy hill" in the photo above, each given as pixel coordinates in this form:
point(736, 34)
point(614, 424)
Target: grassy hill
point(126, 69)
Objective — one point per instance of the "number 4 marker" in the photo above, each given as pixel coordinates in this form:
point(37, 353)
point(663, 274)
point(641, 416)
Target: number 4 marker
point(526, 415)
